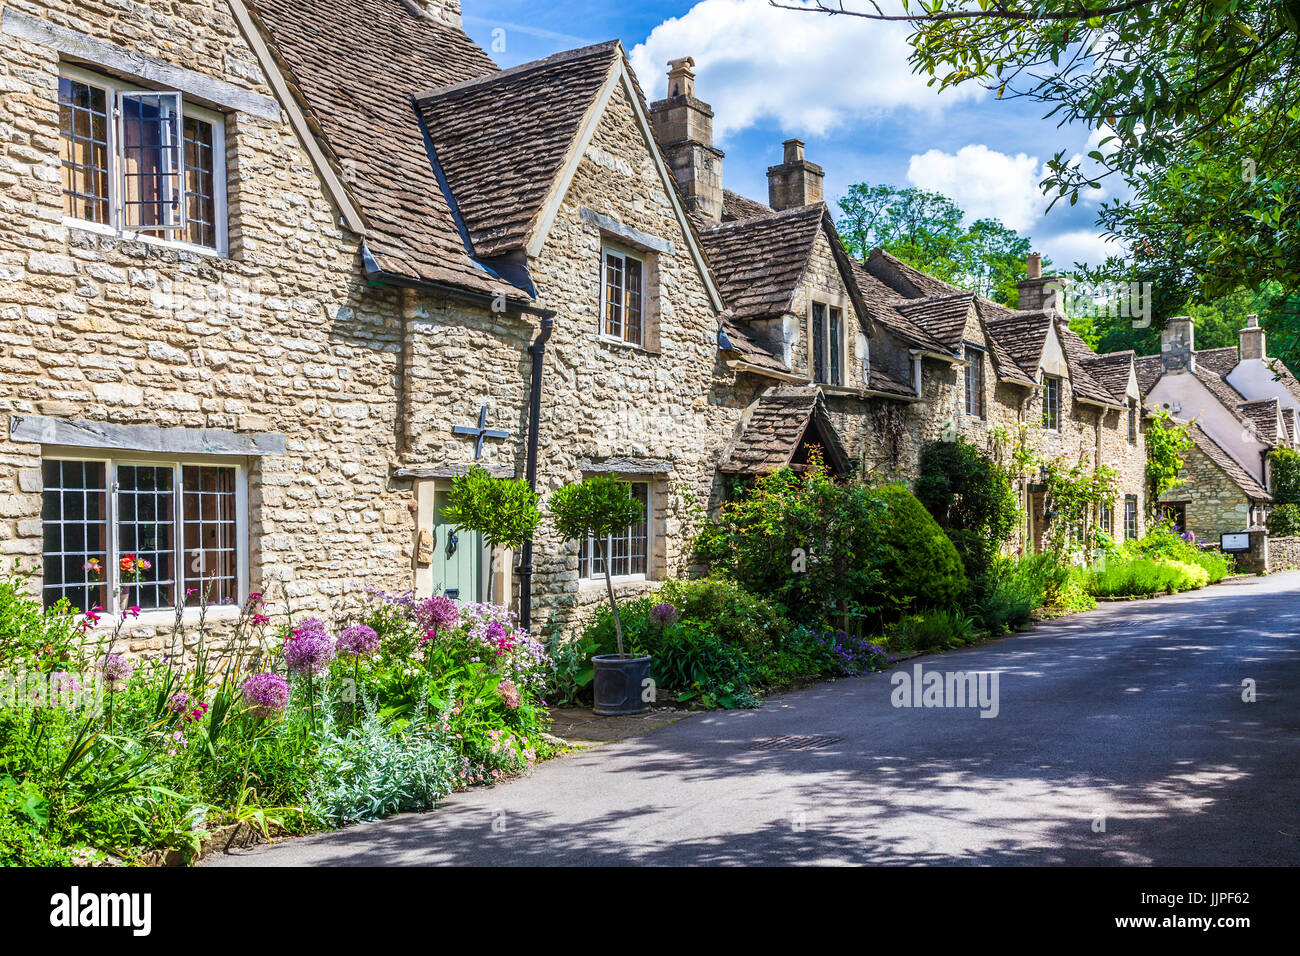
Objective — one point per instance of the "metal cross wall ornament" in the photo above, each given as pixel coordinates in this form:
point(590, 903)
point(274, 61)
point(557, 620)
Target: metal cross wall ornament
point(480, 431)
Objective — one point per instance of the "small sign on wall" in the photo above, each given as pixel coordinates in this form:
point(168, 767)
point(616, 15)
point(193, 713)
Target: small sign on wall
point(424, 548)
point(1234, 542)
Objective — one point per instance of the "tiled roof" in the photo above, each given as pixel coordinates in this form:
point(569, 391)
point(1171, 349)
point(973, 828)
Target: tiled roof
point(1023, 335)
point(1288, 422)
point(736, 206)
point(1079, 358)
point(502, 139)
point(1219, 386)
point(943, 316)
point(747, 348)
point(878, 298)
point(1265, 415)
point(759, 262)
point(355, 67)
point(883, 380)
point(908, 281)
point(1218, 361)
point(1112, 371)
point(1228, 465)
point(1149, 369)
point(776, 427)
point(1284, 376)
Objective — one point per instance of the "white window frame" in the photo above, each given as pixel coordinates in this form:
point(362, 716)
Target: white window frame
point(608, 249)
point(593, 578)
point(1130, 500)
point(113, 88)
point(112, 551)
point(1056, 425)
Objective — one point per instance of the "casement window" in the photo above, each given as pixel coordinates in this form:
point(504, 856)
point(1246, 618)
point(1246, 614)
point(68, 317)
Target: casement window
point(1106, 518)
point(628, 553)
point(141, 162)
point(623, 296)
point(1051, 402)
point(144, 534)
point(1130, 517)
point(1132, 424)
point(974, 382)
point(827, 344)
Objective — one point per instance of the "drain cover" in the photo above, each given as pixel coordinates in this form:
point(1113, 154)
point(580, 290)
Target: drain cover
point(794, 742)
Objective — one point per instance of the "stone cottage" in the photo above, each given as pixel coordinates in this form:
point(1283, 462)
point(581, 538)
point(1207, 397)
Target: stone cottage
point(1242, 405)
point(275, 271)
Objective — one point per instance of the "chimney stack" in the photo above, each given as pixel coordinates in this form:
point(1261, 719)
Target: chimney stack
point(1039, 292)
point(443, 11)
point(1178, 345)
point(796, 182)
point(1252, 339)
point(684, 126)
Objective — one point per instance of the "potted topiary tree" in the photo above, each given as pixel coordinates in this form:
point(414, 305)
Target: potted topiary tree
point(503, 510)
point(598, 507)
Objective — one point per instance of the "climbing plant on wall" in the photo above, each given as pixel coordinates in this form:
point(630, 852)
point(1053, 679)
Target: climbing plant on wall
point(1167, 442)
point(1073, 494)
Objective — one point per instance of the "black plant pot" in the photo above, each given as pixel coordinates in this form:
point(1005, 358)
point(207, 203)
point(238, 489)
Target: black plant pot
point(619, 685)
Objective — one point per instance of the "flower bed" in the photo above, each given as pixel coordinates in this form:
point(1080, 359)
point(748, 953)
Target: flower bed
point(303, 726)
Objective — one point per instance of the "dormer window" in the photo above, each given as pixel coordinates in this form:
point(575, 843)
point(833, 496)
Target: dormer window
point(1051, 402)
point(141, 162)
point(827, 344)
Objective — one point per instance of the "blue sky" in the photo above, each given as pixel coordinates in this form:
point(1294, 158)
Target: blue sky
point(843, 85)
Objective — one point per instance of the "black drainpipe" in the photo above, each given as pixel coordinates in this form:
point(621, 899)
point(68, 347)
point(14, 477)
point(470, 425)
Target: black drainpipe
point(538, 351)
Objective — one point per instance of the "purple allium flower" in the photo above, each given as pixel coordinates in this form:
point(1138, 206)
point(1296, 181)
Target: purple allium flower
point(509, 693)
point(266, 694)
point(179, 702)
point(116, 670)
point(664, 614)
point(310, 648)
point(63, 685)
point(358, 641)
point(436, 614)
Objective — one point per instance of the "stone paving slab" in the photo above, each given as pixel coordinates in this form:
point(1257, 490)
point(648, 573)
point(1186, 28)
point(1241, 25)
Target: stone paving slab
point(580, 725)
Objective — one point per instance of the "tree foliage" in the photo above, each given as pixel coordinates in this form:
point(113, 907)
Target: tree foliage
point(971, 498)
point(503, 510)
point(598, 506)
point(1195, 105)
point(1284, 464)
point(928, 230)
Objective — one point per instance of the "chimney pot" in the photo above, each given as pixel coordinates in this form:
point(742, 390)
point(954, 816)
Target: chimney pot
point(793, 150)
point(1034, 265)
point(681, 79)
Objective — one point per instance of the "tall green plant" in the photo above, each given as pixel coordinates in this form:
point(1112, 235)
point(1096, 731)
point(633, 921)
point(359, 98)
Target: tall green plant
point(1167, 441)
point(598, 507)
point(970, 495)
point(1285, 469)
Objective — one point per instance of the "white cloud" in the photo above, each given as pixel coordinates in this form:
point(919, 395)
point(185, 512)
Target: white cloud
point(807, 72)
point(1079, 245)
point(984, 183)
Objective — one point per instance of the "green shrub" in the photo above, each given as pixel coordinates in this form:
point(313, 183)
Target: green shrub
point(1284, 520)
point(931, 630)
point(970, 496)
point(31, 636)
point(732, 613)
point(921, 566)
point(810, 543)
point(1145, 576)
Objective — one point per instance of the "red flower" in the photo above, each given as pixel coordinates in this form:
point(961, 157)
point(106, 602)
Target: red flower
point(127, 562)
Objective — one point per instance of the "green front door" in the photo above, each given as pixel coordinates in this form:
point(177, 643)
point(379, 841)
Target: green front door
point(457, 568)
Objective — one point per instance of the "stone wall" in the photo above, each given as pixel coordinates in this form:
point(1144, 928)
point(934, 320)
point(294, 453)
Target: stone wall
point(1283, 553)
point(280, 336)
point(1214, 504)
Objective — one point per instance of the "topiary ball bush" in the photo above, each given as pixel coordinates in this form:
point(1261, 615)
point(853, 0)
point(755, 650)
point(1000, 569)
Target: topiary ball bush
point(921, 564)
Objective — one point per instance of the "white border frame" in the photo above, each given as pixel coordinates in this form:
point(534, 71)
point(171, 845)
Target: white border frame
point(112, 86)
point(242, 528)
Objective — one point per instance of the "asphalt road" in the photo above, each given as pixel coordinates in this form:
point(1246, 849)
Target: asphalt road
point(1130, 717)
